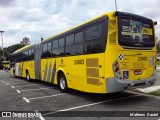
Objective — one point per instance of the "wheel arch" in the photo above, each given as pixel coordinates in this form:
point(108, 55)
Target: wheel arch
point(60, 71)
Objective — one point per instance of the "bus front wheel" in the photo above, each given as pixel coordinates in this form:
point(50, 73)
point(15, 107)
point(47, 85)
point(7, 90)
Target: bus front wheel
point(62, 83)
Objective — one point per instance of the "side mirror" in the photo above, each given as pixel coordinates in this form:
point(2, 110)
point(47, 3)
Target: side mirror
point(155, 22)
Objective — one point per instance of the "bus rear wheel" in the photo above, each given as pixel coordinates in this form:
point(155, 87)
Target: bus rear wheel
point(62, 83)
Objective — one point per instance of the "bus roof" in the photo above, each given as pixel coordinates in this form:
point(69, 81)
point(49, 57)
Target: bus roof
point(106, 14)
point(109, 13)
point(23, 48)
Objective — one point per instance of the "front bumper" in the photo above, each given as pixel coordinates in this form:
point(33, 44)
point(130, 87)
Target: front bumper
point(117, 85)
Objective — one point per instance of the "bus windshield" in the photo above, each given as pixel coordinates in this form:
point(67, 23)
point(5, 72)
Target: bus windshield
point(135, 32)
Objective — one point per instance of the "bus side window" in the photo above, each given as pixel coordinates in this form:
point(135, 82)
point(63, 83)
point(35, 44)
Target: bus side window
point(94, 39)
point(94, 32)
point(31, 54)
point(55, 44)
point(70, 40)
point(61, 42)
point(74, 44)
point(58, 49)
point(58, 52)
point(74, 49)
point(26, 55)
point(94, 48)
point(44, 50)
point(79, 37)
point(49, 49)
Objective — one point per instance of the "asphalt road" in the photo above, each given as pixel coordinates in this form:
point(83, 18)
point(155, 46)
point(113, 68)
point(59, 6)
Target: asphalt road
point(19, 95)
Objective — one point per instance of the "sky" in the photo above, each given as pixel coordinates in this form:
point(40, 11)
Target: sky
point(46, 18)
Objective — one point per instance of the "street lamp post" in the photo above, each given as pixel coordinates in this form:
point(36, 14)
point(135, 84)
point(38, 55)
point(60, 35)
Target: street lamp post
point(2, 42)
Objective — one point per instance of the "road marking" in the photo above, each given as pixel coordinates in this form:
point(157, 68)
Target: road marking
point(18, 91)
point(148, 89)
point(16, 83)
point(7, 84)
point(9, 80)
point(35, 89)
point(12, 86)
point(26, 85)
point(28, 99)
point(46, 96)
point(24, 98)
point(87, 105)
point(40, 117)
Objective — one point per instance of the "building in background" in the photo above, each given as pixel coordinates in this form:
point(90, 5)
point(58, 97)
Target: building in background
point(25, 41)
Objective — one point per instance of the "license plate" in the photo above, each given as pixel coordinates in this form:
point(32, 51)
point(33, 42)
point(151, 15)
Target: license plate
point(137, 72)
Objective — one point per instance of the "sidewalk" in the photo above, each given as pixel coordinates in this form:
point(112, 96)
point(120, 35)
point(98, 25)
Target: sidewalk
point(155, 89)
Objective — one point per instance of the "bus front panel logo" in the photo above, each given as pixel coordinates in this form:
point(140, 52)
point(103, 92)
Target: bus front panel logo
point(121, 56)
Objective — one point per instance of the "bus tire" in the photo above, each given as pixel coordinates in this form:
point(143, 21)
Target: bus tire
point(28, 76)
point(62, 83)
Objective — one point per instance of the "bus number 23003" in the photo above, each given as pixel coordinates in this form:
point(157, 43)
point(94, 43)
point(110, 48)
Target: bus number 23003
point(78, 62)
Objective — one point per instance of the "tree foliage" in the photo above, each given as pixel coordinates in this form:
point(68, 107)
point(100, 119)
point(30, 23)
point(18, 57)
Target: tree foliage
point(9, 50)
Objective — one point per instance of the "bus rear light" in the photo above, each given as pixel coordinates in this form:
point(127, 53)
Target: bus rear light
point(116, 69)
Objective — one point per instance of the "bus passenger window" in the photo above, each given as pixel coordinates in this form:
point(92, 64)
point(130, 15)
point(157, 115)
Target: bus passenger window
point(94, 32)
point(58, 52)
point(49, 46)
point(74, 49)
point(94, 48)
point(79, 37)
point(70, 40)
point(61, 42)
point(55, 44)
point(46, 53)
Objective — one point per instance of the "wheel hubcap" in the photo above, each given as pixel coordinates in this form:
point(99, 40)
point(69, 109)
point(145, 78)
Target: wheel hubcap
point(62, 83)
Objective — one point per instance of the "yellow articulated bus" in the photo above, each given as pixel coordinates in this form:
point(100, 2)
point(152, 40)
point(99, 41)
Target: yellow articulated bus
point(111, 53)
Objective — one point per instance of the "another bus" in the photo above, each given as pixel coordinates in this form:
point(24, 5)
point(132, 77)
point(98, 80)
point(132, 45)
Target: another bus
point(111, 53)
point(4, 65)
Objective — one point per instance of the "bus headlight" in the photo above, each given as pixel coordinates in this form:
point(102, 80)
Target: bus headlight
point(116, 69)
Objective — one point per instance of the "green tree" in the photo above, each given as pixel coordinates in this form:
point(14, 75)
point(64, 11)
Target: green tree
point(9, 50)
point(1, 54)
